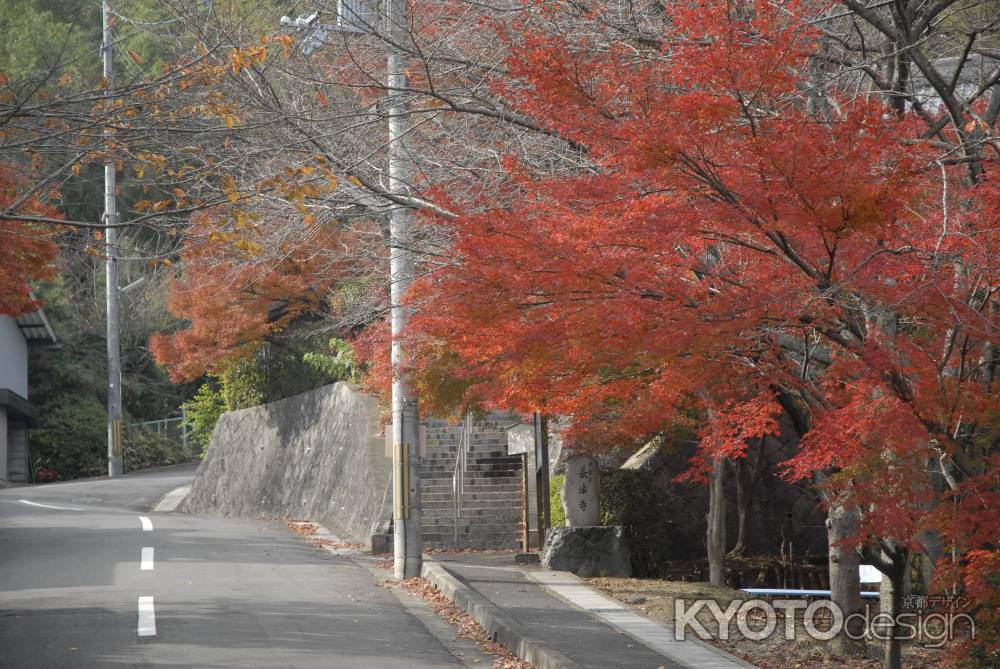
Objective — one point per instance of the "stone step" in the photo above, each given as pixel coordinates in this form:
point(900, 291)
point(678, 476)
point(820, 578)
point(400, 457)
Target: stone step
point(498, 525)
point(475, 462)
point(445, 493)
point(491, 504)
point(496, 500)
point(473, 512)
point(448, 534)
point(449, 541)
point(472, 481)
point(473, 491)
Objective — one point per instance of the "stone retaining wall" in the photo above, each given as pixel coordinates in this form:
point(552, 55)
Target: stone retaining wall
point(318, 456)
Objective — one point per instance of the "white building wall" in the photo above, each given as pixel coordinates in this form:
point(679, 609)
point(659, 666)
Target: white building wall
point(3, 444)
point(13, 357)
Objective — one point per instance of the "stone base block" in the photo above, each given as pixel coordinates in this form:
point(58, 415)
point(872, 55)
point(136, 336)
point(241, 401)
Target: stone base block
point(594, 550)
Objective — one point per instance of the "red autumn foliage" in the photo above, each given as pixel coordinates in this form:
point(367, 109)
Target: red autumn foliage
point(27, 250)
point(731, 242)
point(240, 285)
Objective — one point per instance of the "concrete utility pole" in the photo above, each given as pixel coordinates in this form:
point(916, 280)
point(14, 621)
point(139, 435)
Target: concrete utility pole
point(407, 538)
point(115, 448)
point(355, 17)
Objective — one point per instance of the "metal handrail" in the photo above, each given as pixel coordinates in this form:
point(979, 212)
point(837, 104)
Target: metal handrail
point(458, 476)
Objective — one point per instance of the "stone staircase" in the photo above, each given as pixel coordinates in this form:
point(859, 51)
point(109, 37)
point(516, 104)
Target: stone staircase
point(490, 514)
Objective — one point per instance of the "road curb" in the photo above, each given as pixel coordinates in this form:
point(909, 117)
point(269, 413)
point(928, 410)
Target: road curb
point(501, 627)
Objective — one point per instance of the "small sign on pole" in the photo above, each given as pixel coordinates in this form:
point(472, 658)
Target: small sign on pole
point(520, 439)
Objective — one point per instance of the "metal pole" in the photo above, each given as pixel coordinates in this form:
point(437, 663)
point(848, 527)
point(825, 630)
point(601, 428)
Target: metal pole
point(525, 514)
point(407, 539)
point(115, 451)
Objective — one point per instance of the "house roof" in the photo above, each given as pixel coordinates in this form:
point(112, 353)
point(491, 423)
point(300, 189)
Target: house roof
point(35, 327)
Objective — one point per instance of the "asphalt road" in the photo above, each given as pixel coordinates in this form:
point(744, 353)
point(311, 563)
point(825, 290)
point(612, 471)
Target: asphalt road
point(86, 582)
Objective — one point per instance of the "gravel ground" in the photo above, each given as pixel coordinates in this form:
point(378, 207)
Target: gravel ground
point(655, 599)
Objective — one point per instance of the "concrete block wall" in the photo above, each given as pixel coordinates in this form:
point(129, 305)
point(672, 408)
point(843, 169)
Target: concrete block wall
point(319, 456)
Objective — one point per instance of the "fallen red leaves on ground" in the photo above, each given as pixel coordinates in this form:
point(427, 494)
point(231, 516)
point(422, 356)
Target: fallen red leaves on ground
point(467, 627)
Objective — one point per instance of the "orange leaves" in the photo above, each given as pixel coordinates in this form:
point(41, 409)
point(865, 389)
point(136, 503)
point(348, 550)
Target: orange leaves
point(286, 44)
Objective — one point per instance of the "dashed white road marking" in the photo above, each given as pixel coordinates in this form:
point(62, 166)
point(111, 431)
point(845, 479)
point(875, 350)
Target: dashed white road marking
point(146, 559)
point(147, 617)
point(48, 506)
point(147, 524)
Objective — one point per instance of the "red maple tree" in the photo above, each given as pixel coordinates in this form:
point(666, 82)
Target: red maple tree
point(733, 240)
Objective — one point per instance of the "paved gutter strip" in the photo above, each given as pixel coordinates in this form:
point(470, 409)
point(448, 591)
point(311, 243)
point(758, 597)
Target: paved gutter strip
point(690, 651)
point(172, 499)
point(498, 624)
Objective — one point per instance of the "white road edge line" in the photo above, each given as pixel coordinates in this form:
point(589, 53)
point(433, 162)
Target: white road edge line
point(172, 499)
point(48, 506)
point(147, 617)
point(146, 559)
point(147, 524)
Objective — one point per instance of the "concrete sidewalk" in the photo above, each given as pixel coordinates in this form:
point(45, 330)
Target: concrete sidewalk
point(555, 621)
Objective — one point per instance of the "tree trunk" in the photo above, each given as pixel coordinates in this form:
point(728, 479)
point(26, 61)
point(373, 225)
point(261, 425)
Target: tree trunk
point(744, 502)
point(895, 584)
point(845, 582)
point(717, 523)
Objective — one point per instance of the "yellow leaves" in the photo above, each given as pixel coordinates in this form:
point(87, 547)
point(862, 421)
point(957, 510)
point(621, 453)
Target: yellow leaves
point(65, 79)
point(218, 236)
point(161, 205)
point(308, 219)
point(76, 169)
point(354, 180)
point(167, 262)
point(234, 197)
point(140, 171)
point(142, 205)
point(247, 246)
point(91, 251)
point(179, 193)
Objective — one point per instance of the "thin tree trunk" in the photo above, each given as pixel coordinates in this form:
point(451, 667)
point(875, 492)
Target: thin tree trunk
point(895, 568)
point(746, 480)
point(717, 523)
point(744, 500)
point(845, 582)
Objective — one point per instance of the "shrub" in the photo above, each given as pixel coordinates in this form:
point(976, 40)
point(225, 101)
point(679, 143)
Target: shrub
point(73, 437)
point(556, 512)
point(145, 449)
point(201, 413)
point(629, 499)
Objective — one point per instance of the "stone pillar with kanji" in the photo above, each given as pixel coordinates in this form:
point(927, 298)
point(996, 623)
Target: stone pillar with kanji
point(581, 492)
